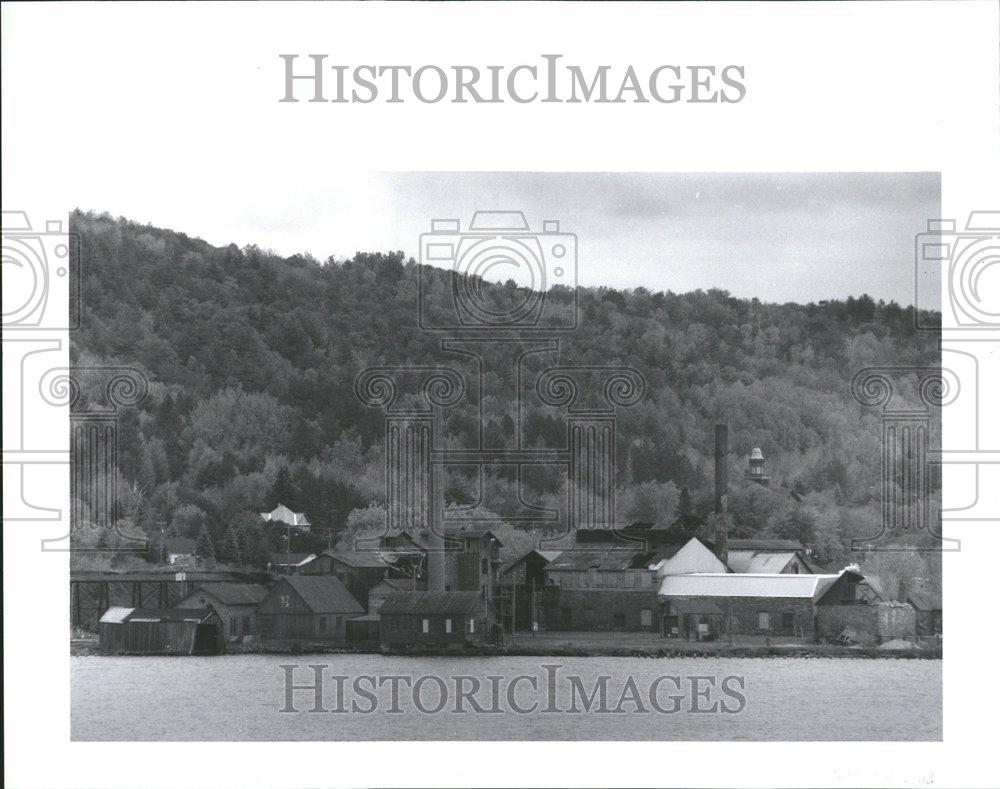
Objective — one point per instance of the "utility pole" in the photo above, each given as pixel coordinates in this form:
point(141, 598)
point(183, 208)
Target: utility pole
point(161, 524)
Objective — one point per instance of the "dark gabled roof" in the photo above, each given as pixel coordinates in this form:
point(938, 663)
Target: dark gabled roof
point(393, 533)
point(431, 603)
point(233, 594)
point(764, 545)
point(359, 558)
point(602, 558)
point(545, 556)
point(324, 594)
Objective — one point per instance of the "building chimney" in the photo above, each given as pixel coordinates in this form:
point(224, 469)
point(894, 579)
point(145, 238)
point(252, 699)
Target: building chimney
point(721, 492)
point(436, 561)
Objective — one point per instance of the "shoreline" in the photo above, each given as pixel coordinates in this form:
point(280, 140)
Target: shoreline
point(89, 649)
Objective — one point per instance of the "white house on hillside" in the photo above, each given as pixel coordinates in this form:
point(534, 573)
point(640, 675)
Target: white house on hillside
point(281, 514)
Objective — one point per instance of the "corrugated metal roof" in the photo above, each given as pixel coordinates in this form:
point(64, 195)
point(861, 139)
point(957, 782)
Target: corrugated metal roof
point(431, 603)
point(759, 561)
point(324, 594)
point(742, 585)
point(115, 615)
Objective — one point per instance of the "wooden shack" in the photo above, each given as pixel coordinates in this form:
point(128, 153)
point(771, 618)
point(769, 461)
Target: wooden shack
point(359, 571)
point(170, 631)
point(235, 603)
point(307, 608)
point(432, 618)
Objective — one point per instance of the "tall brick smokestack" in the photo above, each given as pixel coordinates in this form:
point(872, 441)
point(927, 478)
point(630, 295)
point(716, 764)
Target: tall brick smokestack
point(436, 569)
point(721, 492)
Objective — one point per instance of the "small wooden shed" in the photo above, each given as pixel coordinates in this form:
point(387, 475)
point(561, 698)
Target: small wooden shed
point(169, 631)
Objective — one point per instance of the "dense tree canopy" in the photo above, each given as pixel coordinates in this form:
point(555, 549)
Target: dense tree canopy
point(252, 360)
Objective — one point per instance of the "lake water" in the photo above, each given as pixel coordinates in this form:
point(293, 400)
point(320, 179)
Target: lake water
point(241, 697)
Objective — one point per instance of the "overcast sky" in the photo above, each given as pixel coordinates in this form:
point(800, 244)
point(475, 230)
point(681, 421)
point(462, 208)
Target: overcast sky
point(780, 237)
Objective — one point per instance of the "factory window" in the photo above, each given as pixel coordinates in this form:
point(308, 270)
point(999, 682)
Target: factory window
point(246, 624)
point(427, 626)
point(447, 625)
point(472, 625)
point(322, 623)
point(787, 620)
point(618, 621)
point(646, 617)
point(284, 601)
point(485, 569)
point(764, 620)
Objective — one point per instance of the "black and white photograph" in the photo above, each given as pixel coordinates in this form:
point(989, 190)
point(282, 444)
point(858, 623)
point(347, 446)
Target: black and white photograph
point(333, 430)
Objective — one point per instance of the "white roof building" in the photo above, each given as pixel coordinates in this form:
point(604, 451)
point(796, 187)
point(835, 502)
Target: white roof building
point(743, 585)
point(281, 514)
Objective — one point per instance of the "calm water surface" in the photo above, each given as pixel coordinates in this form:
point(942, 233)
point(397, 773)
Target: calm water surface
point(240, 697)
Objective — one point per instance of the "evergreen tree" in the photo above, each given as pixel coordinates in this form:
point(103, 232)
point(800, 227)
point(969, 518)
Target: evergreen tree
point(256, 550)
point(204, 547)
point(231, 548)
point(283, 491)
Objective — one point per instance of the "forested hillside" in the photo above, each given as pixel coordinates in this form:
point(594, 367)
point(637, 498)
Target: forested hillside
point(252, 360)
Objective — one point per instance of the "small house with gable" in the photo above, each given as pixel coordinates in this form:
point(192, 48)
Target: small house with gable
point(307, 608)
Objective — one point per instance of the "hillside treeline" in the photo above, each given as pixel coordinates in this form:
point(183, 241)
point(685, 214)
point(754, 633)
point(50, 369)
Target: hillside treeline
point(252, 360)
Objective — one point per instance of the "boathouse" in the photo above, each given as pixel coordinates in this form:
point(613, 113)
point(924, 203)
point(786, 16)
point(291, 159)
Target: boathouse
point(307, 608)
point(433, 618)
point(170, 631)
point(235, 603)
